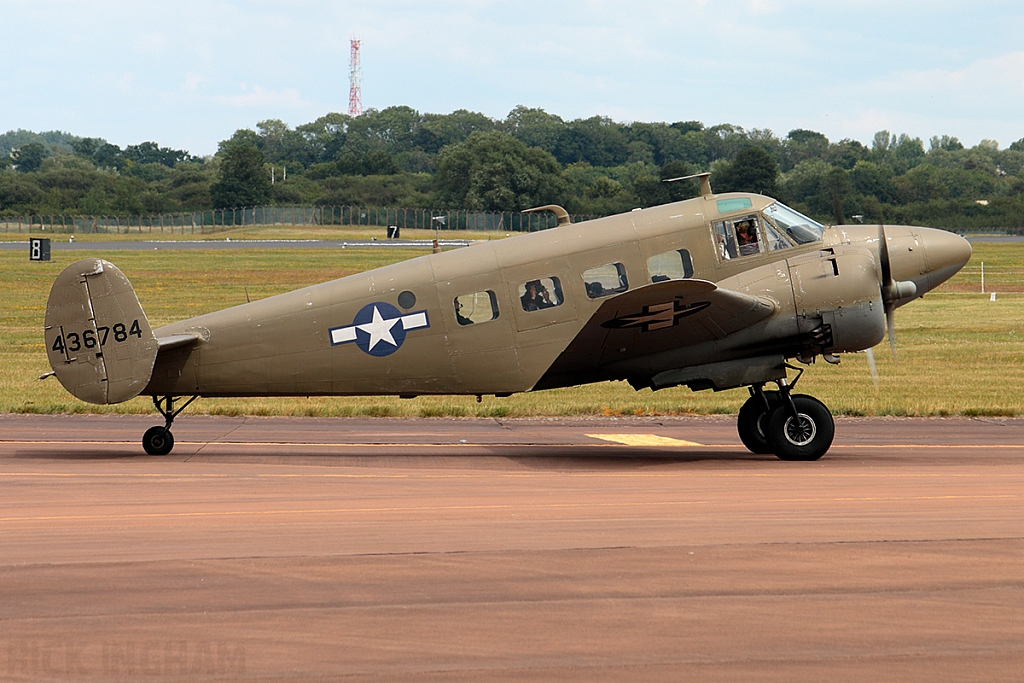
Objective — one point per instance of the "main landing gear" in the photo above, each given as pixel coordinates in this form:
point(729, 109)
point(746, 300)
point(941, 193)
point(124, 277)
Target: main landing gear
point(792, 426)
point(159, 440)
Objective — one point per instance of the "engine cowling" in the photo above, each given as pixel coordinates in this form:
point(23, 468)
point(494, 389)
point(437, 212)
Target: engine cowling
point(838, 287)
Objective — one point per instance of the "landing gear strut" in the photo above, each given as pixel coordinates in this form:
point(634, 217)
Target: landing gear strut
point(159, 440)
point(792, 426)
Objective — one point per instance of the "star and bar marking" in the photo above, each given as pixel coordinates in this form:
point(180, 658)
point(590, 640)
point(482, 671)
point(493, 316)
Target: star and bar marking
point(379, 329)
point(657, 316)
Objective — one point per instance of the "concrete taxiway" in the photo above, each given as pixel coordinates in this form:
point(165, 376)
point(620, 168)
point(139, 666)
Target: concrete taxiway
point(652, 549)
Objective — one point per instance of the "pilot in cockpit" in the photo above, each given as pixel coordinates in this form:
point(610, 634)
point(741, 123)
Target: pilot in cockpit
point(746, 235)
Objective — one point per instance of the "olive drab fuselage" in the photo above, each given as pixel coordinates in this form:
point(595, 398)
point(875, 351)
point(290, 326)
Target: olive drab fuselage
point(715, 292)
point(283, 345)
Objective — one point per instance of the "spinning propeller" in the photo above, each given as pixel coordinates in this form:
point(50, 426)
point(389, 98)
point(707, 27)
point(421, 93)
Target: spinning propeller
point(892, 291)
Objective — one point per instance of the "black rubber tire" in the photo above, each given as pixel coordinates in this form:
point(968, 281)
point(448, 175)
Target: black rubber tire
point(158, 441)
point(752, 422)
point(808, 439)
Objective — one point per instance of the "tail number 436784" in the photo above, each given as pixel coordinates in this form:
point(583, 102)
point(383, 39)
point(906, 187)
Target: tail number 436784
point(90, 339)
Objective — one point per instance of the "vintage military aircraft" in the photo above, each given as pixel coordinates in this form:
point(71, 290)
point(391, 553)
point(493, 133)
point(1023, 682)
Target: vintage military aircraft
point(715, 292)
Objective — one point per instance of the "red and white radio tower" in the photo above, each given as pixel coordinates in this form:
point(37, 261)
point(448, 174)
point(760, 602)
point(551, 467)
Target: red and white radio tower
point(355, 95)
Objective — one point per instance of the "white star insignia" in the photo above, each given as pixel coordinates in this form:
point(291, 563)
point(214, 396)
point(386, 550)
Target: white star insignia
point(379, 329)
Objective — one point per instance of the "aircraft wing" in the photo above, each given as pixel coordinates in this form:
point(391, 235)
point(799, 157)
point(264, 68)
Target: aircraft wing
point(658, 317)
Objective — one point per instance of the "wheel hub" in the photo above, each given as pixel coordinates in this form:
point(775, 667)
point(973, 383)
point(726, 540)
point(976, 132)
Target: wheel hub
point(801, 430)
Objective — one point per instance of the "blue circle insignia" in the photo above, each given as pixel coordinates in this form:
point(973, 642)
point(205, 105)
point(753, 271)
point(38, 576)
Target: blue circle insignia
point(379, 329)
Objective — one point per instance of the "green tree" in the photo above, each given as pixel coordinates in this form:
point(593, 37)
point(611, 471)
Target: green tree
point(325, 137)
point(753, 170)
point(724, 141)
point(152, 153)
point(243, 179)
point(847, 153)
point(18, 194)
point(599, 141)
point(439, 131)
point(872, 180)
point(282, 145)
point(29, 158)
point(534, 127)
point(908, 151)
point(950, 144)
point(801, 145)
point(654, 191)
point(494, 171)
point(837, 187)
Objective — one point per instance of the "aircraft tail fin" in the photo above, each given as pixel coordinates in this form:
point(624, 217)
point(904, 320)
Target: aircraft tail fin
point(98, 339)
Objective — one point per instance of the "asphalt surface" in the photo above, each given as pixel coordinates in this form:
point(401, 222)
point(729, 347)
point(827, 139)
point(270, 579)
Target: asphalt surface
point(186, 245)
point(482, 550)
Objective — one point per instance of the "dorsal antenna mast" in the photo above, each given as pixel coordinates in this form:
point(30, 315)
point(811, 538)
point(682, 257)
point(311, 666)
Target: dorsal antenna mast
point(705, 182)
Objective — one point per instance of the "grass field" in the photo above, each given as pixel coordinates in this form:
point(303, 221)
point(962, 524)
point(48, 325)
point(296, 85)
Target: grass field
point(959, 352)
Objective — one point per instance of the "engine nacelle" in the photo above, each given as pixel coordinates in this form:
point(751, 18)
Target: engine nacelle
point(839, 287)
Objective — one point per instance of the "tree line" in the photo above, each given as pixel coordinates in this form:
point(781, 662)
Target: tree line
point(466, 160)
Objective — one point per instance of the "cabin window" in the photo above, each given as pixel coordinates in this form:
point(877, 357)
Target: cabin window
point(478, 307)
point(795, 225)
point(670, 265)
point(605, 280)
point(545, 292)
point(738, 237)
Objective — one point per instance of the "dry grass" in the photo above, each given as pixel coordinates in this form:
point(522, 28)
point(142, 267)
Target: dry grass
point(959, 352)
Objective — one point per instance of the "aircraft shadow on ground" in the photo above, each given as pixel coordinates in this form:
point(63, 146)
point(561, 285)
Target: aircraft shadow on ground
point(531, 457)
point(625, 458)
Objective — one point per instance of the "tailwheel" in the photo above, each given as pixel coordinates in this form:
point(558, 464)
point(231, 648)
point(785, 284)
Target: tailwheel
point(159, 440)
point(752, 421)
point(801, 429)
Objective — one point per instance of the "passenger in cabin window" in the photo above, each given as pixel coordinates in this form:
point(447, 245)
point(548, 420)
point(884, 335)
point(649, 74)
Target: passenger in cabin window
point(461, 319)
point(536, 297)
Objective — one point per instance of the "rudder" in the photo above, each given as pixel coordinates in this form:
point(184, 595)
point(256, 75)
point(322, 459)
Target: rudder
point(98, 339)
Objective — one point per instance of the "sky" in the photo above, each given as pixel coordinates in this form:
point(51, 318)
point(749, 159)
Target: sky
point(187, 74)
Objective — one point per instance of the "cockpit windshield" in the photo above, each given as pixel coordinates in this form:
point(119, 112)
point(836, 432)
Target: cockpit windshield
point(799, 227)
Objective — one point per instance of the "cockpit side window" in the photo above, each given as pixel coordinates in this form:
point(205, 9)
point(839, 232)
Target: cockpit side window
point(738, 237)
point(774, 237)
point(746, 236)
point(796, 226)
point(725, 240)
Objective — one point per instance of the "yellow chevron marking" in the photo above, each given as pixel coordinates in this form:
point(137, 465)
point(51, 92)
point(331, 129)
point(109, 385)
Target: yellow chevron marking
point(643, 440)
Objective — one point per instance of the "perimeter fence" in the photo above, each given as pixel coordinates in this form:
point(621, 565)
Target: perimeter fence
point(219, 220)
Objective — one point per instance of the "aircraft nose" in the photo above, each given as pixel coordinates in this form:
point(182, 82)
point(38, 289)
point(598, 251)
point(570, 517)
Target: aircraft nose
point(945, 254)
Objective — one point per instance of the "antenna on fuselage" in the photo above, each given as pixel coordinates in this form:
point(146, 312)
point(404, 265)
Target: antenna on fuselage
point(705, 182)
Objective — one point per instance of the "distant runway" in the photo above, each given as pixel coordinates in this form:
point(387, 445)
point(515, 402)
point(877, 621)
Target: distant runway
point(61, 244)
point(176, 245)
point(601, 549)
